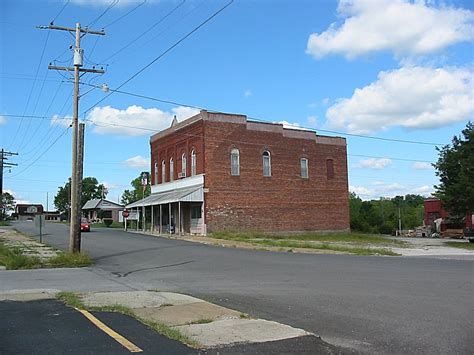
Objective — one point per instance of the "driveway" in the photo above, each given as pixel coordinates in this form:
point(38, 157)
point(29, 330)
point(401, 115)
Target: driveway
point(371, 304)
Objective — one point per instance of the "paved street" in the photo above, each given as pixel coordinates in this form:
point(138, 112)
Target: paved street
point(49, 327)
point(371, 304)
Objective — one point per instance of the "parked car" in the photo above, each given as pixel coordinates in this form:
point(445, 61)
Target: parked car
point(85, 226)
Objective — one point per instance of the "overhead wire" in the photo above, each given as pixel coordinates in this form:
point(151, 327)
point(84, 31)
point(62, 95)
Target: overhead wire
point(126, 14)
point(160, 20)
point(60, 12)
point(31, 90)
point(195, 29)
point(110, 7)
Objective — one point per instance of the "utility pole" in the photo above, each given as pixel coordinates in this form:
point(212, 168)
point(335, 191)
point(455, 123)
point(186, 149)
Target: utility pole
point(74, 232)
point(4, 164)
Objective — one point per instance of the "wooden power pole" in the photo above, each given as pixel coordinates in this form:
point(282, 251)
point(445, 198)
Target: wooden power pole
point(76, 171)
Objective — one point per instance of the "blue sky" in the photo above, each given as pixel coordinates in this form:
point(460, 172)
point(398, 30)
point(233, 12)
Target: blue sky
point(390, 69)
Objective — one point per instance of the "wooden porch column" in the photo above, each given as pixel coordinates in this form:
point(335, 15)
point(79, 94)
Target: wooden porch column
point(179, 218)
point(169, 215)
point(161, 219)
point(152, 220)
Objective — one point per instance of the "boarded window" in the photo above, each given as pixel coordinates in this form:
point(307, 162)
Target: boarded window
point(304, 168)
point(267, 163)
point(155, 175)
point(330, 169)
point(196, 212)
point(235, 162)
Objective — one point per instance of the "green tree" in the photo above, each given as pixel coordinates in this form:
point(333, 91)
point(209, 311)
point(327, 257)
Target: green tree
point(137, 192)
point(455, 169)
point(90, 189)
point(7, 204)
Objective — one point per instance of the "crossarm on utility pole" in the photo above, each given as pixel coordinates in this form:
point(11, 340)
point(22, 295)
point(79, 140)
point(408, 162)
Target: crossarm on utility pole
point(69, 29)
point(83, 70)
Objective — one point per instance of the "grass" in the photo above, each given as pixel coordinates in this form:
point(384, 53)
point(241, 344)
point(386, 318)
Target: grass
point(13, 259)
point(202, 321)
point(102, 225)
point(4, 223)
point(70, 260)
point(71, 299)
point(353, 243)
point(468, 246)
point(357, 238)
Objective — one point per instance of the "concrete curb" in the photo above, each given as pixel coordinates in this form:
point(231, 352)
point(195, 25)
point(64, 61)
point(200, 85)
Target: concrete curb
point(207, 324)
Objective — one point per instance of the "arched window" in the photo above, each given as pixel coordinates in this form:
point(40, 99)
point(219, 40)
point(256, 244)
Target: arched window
point(171, 170)
point(183, 165)
point(163, 171)
point(235, 162)
point(304, 168)
point(193, 162)
point(330, 169)
point(267, 163)
point(156, 173)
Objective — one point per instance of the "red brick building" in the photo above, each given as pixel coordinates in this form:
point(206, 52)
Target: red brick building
point(434, 210)
point(217, 171)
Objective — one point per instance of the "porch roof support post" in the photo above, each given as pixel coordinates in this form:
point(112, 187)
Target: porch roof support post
point(169, 215)
point(152, 220)
point(161, 218)
point(138, 217)
point(179, 218)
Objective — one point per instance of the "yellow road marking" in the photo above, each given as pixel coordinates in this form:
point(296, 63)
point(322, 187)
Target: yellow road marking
point(120, 339)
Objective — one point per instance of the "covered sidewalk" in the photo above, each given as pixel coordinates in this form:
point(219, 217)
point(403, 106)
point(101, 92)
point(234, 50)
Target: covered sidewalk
point(177, 211)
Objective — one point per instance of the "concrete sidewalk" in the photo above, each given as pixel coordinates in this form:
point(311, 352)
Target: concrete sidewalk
point(207, 324)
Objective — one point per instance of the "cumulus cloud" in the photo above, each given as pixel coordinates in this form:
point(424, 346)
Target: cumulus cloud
point(373, 163)
point(3, 120)
point(312, 120)
point(419, 165)
point(383, 189)
point(414, 98)
point(247, 93)
point(137, 162)
point(61, 121)
point(135, 120)
point(398, 26)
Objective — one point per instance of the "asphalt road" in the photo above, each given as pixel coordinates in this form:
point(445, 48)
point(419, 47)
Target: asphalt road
point(49, 327)
point(370, 304)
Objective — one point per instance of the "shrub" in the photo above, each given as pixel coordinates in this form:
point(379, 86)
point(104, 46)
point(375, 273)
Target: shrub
point(108, 222)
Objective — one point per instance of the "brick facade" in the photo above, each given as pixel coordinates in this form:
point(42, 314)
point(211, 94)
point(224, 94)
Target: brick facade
point(282, 202)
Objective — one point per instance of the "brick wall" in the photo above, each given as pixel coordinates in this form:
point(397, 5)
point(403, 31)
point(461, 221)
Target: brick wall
point(284, 201)
point(173, 146)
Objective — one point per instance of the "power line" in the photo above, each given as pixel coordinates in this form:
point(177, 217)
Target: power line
point(166, 51)
point(60, 12)
point(32, 88)
point(112, 4)
point(128, 13)
point(145, 32)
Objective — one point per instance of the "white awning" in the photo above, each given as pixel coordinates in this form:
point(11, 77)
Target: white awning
point(190, 194)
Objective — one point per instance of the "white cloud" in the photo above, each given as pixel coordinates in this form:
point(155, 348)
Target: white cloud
point(19, 200)
point(137, 162)
point(312, 120)
point(111, 185)
point(399, 26)
point(373, 163)
point(414, 98)
point(3, 120)
point(383, 189)
point(361, 191)
point(247, 93)
point(135, 120)
point(419, 165)
point(61, 121)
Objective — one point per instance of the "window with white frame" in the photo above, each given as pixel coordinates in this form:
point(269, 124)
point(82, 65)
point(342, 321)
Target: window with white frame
point(163, 171)
point(171, 170)
point(235, 162)
point(193, 162)
point(156, 173)
point(267, 163)
point(183, 165)
point(304, 168)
